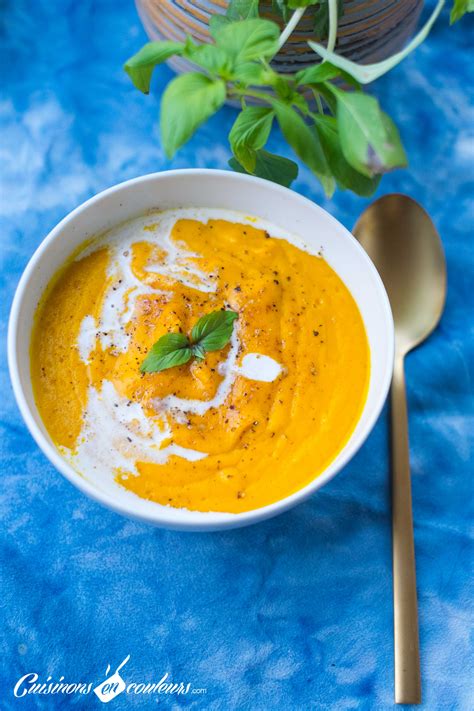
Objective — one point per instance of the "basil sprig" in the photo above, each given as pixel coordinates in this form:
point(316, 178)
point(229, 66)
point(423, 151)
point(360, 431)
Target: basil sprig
point(211, 333)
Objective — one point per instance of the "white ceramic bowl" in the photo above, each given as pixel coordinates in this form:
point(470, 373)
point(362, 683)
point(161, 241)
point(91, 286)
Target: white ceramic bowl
point(202, 188)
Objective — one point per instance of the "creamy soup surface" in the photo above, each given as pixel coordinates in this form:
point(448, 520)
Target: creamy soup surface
point(246, 426)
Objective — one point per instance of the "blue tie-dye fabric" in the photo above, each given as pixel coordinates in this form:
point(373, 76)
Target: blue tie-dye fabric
point(294, 613)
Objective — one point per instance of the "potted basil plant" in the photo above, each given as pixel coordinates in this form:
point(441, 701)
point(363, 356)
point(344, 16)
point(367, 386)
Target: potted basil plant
point(333, 126)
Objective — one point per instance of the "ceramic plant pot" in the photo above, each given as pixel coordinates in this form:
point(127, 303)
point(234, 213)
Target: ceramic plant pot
point(369, 30)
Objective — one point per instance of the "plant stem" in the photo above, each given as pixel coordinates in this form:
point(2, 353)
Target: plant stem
point(332, 36)
point(319, 103)
point(366, 73)
point(242, 93)
point(293, 21)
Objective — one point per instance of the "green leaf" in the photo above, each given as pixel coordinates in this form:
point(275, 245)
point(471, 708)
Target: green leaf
point(242, 9)
point(295, 4)
point(270, 167)
point(216, 22)
point(187, 102)
point(317, 73)
point(305, 143)
point(460, 7)
point(236, 10)
point(254, 74)
point(170, 350)
point(284, 89)
point(321, 18)
point(250, 133)
point(140, 66)
point(365, 73)
point(209, 57)
point(323, 72)
point(369, 139)
point(281, 8)
point(325, 90)
point(213, 331)
point(198, 352)
point(249, 39)
point(347, 177)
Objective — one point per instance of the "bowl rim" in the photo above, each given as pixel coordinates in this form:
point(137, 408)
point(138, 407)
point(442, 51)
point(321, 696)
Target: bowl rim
point(196, 521)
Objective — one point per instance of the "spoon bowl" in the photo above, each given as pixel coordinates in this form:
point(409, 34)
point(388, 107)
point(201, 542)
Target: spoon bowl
point(405, 246)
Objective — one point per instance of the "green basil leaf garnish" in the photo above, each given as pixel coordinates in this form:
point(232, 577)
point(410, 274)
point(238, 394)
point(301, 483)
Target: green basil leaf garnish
point(211, 333)
point(170, 350)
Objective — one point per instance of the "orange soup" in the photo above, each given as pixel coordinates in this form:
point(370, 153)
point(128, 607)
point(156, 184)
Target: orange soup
point(241, 428)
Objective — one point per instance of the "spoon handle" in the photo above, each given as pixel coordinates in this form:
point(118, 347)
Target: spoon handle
point(407, 652)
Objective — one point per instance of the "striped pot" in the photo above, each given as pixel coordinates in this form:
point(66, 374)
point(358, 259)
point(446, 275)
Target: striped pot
point(368, 31)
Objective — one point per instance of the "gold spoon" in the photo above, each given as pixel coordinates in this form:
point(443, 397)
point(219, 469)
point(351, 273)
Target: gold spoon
point(405, 247)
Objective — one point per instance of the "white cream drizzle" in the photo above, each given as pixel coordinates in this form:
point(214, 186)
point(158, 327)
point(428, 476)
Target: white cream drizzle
point(87, 338)
point(116, 433)
point(177, 264)
point(125, 288)
point(260, 367)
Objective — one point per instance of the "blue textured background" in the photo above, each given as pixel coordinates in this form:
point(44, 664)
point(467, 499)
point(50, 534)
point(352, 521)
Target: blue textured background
point(294, 613)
